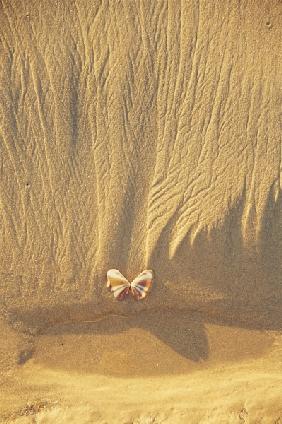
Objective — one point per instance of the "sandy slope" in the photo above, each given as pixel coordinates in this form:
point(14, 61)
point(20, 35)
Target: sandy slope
point(134, 135)
point(140, 134)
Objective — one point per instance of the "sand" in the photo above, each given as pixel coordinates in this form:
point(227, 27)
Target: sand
point(140, 135)
point(147, 369)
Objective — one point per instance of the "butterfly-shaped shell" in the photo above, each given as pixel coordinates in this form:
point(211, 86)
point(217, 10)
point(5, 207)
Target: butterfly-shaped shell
point(120, 286)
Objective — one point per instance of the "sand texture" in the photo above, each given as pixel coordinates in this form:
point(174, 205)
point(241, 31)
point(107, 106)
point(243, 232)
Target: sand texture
point(140, 135)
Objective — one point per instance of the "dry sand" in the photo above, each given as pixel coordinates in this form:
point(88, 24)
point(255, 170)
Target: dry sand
point(146, 369)
point(133, 135)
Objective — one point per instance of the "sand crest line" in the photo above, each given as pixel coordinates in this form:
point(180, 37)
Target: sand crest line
point(104, 317)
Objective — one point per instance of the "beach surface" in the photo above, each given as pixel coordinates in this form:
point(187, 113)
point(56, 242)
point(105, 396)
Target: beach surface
point(146, 370)
point(140, 135)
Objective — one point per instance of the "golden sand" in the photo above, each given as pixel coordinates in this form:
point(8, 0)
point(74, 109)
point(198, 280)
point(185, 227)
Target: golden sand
point(140, 135)
point(147, 369)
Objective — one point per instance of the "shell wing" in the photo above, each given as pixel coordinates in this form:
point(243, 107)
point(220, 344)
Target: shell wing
point(141, 285)
point(118, 284)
